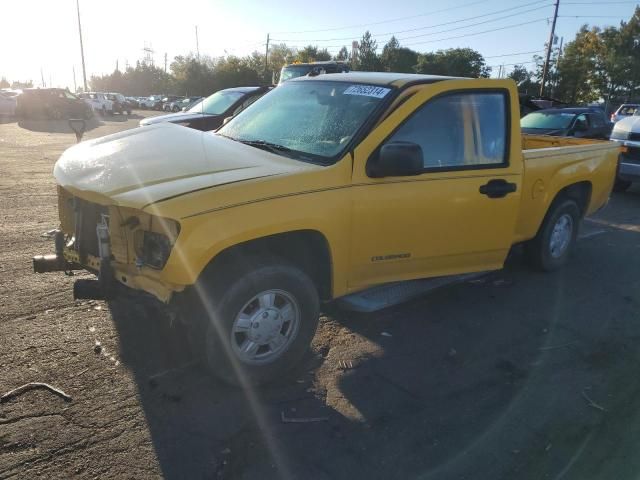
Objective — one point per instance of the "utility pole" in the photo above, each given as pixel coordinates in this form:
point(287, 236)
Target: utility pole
point(266, 57)
point(42, 78)
point(84, 71)
point(165, 62)
point(552, 35)
point(197, 44)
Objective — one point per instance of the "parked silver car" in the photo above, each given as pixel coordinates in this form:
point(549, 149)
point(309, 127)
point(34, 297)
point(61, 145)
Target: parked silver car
point(625, 110)
point(627, 132)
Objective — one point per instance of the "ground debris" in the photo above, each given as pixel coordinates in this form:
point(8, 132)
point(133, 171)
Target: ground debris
point(153, 379)
point(591, 403)
point(286, 419)
point(345, 364)
point(553, 347)
point(31, 386)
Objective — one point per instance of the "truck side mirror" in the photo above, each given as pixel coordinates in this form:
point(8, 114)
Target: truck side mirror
point(396, 159)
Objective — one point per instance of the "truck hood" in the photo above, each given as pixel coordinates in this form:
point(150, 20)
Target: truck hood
point(145, 165)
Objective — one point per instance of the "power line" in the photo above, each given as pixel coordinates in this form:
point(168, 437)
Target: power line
point(446, 38)
point(478, 23)
point(514, 54)
point(388, 21)
point(602, 4)
point(431, 26)
point(477, 33)
point(510, 64)
point(591, 16)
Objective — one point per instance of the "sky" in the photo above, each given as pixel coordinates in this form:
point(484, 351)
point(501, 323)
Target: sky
point(39, 38)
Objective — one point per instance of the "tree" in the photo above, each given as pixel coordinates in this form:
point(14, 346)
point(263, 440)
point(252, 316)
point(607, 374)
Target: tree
point(456, 62)
point(279, 56)
point(578, 81)
point(342, 55)
point(311, 53)
point(4, 83)
point(368, 60)
point(398, 59)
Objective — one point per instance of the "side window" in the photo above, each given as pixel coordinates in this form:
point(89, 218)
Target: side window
point(581, 122)
point(246, 103)
point(459, 130)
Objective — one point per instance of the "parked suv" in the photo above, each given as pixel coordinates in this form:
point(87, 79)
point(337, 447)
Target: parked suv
point(120, 104)
point(53, 103)
point(567, 122)
point(183, 104)
point(295, 70)
point(627, 133)
point(99, 102)
point(625, 110)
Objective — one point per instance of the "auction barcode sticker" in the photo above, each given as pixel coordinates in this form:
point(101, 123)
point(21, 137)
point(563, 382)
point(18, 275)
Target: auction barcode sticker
point(367, 91)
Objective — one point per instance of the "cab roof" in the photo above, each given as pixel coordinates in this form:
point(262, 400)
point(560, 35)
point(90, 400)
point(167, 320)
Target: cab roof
point(387, 79)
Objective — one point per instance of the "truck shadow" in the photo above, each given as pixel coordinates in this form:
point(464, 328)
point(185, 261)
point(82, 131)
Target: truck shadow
point(472, 381)
point(55, 126)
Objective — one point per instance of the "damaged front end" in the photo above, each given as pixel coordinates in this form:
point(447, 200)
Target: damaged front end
point(122, 246)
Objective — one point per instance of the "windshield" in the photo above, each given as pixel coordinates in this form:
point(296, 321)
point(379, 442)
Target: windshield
point(217, 103)
point(547, 120)
point(290, 72)
point(317, 118)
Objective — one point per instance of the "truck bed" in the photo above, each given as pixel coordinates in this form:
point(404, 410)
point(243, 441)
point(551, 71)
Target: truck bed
point(550, 161)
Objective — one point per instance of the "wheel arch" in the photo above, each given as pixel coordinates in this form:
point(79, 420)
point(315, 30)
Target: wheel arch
point(308, 250)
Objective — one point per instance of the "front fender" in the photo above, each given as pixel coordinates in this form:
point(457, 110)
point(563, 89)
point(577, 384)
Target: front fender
point(205, 236)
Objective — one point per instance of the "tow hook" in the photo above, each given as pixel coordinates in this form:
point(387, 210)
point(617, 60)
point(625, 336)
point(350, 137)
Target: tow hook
point(54, 262)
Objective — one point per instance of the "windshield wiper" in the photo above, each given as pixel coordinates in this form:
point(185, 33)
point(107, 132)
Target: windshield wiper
point(272, 147)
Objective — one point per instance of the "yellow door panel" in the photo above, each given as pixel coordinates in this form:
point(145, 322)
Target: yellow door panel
point(436, 223)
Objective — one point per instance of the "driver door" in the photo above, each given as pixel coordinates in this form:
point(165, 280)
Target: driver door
point(438, 222)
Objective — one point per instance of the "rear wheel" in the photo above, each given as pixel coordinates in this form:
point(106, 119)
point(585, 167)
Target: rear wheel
point(552, 246)
point(256, 327)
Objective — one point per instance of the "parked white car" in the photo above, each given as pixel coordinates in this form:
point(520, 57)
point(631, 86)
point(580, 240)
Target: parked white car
point(627, 133)
point(625, 110)
point(98, 102)
point(150, 102)
point(7, 104)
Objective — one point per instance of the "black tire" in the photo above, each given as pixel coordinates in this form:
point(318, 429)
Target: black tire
point(621, 185)
point(539, 250)
point(211, 332)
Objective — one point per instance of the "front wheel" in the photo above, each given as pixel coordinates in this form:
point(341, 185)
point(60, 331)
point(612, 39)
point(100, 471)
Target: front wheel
point(259, 325)
point(552, 246)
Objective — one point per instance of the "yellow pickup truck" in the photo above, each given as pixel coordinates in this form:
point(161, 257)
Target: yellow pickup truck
point(322, 189)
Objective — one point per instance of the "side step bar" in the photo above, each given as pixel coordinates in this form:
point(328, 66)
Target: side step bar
point(390, 294)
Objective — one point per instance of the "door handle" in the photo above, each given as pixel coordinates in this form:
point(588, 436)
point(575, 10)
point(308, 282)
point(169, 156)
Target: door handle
point(498, 188)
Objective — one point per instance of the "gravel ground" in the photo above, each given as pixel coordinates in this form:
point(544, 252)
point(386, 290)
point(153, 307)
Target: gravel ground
point(516, 375)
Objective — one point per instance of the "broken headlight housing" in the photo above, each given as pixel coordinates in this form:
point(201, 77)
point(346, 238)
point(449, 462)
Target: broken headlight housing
point(156, 249)
point(154, 240)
